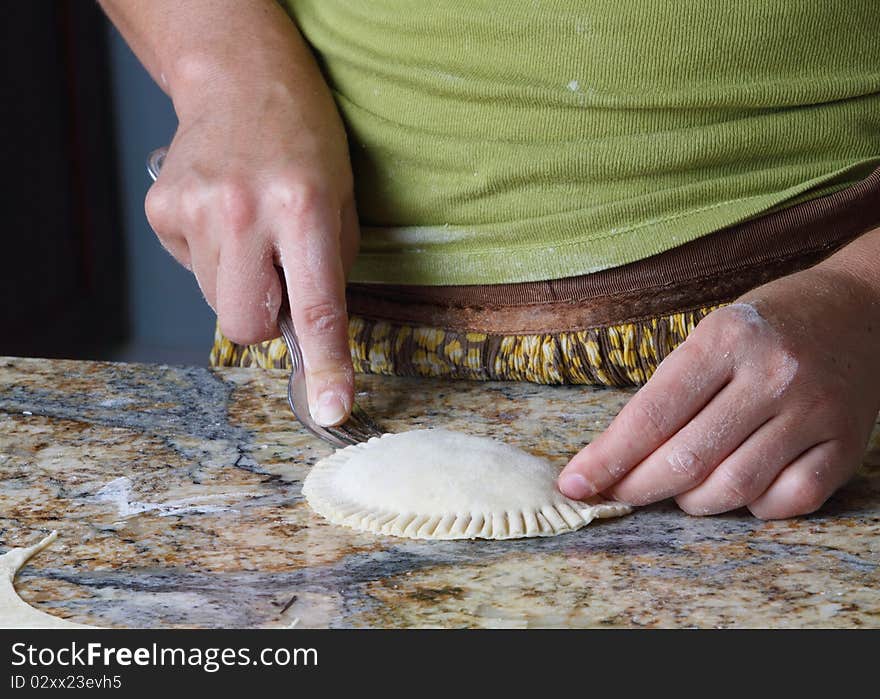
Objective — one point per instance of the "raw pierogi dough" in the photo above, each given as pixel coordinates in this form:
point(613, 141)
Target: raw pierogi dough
point(15, 613)
point(439, 484)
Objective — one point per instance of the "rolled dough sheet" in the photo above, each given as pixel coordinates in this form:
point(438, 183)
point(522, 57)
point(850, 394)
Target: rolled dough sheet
point(15, 613)
point(440, 484)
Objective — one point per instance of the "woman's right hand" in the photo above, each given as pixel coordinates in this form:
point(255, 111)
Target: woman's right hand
point(258, 177)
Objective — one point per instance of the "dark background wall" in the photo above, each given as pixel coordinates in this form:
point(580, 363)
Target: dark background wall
point(169, 320)
point(82, 274)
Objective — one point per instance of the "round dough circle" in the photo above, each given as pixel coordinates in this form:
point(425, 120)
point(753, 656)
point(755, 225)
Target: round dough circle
point(439, 484)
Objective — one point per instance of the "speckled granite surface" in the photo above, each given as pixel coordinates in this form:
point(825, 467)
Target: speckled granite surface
point(177, 496)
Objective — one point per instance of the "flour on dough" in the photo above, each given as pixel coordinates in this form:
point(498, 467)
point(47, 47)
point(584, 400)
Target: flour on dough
point(15, 613)
point(439, 484)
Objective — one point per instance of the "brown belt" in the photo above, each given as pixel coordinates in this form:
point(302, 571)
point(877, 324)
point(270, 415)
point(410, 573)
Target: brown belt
point(710, 270)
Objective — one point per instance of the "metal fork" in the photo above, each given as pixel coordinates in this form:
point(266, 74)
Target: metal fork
point(359, 427)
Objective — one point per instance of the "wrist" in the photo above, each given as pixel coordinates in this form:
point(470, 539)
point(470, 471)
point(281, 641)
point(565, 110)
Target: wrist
point(858, 261)
point(224, 66)
point(852, 275)
point(205, 78)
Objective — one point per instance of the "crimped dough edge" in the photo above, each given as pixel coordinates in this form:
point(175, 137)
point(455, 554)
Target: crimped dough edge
point(549, 519)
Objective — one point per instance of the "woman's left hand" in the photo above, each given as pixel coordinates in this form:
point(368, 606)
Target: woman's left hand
point(768, 404)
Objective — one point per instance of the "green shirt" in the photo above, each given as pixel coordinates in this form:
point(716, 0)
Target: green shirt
point(517, 140)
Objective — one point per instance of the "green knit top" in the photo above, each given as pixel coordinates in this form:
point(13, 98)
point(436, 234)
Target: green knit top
point(518, 140)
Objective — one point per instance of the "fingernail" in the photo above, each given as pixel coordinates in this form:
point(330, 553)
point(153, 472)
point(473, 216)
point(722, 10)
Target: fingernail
point(329, 410)
point(575, 486)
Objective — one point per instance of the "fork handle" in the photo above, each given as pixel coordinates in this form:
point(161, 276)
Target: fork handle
point(285, 324)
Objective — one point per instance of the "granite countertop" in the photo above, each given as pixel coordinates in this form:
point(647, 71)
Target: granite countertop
point(176, 493)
